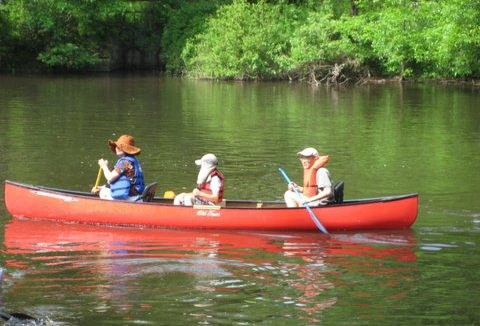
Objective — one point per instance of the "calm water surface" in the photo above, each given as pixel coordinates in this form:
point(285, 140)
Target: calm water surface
point(382, 140)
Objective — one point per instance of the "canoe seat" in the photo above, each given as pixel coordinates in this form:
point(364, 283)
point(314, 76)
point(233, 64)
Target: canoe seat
point(149, 192)
point(338, 192)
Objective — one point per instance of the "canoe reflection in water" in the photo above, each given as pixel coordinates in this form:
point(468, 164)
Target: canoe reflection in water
point(198, 270)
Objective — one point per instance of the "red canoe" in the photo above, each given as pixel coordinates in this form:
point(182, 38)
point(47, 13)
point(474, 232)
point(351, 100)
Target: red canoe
point(393, 212)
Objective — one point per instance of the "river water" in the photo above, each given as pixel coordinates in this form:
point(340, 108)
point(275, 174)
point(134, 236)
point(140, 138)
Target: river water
point(382, 140)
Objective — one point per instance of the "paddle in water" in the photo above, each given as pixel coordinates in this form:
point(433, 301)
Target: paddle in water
point(312, 214)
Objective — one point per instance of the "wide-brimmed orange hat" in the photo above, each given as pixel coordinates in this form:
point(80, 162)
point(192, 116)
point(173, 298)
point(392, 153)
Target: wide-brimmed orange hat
point(125, 143)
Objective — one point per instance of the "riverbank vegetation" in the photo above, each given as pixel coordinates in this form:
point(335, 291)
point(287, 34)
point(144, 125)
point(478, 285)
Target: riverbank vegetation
point(319, 41)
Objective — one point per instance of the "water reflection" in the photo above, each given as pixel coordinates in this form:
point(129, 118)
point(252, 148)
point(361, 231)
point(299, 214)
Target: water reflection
point(390, 139)
point(141, 275)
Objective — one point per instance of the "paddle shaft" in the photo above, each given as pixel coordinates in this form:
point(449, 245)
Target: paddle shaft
point(99, 175)
point(312, 214)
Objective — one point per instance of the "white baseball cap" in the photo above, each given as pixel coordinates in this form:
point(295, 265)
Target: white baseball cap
point(307, 152)
point(208, 159)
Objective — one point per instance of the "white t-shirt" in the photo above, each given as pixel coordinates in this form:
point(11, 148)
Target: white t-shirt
point(323, 178)
point(323, 181)
point(215, 185)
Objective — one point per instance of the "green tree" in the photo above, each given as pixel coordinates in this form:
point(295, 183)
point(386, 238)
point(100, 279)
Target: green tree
point(417, 38)
point(243, 41)
point(450, 45)
point(184, 22)
point(318, 39)
point(4, 37)
point(248, 39)
point(65, 34)
point(385, 33)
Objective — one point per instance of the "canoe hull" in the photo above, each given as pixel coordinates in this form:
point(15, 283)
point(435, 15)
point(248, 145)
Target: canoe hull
point(23, 200)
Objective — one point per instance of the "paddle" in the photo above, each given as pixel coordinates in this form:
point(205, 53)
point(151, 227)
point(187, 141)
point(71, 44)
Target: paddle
point(99, 175)
point(96, 190)
point(312, 215)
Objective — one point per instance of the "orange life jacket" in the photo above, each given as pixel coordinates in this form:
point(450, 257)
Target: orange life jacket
point(205, 187)
point(310, 176)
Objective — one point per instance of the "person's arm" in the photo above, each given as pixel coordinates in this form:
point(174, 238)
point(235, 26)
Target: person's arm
point(111, 176)
point(324, 192)
point(210, 197)
point(293, 184)
point(215, 185)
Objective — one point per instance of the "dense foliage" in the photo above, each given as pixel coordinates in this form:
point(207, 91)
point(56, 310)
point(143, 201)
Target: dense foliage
point(318, 40)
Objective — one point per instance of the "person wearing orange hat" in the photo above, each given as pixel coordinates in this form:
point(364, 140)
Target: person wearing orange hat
point(317, 184)
point(125, 181)
point(209, 190)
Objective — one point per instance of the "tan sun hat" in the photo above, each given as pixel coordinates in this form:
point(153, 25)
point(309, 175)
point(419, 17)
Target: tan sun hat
point(125, 143)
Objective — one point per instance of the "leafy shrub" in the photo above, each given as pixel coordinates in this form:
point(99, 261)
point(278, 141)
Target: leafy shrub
point(249, 39)
point(184, 22)
point(68, 56)
point(243, 41)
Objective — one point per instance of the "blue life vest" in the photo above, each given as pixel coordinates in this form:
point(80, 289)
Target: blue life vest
point(121, 187)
